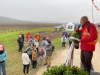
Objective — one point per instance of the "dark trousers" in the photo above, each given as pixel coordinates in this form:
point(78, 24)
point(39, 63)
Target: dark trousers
point(37, 50)
point(20, 48)
point(70, 42)
point(26, 69)
point(30, 57)
point(63, 44)
point(34, 64)
point(86, 58)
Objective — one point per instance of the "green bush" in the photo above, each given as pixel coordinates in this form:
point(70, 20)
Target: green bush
point(76, 35)
point(64, 70)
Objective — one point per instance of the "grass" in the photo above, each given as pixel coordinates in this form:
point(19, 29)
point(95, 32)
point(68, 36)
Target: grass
point(14, 63)
point(99, 35)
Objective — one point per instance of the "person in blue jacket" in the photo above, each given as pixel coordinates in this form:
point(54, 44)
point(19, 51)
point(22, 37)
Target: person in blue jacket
point(3, 57)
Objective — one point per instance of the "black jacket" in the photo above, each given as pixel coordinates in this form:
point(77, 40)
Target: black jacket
point(20, 41)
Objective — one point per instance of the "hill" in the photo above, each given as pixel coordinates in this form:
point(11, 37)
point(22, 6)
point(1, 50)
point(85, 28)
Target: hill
point(10, 21)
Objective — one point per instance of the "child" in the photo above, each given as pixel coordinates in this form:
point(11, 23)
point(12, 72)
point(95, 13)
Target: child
point(34, 59)
point(63, 40)
point(26, 62)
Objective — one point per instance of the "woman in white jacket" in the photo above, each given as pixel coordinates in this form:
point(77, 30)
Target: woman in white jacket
point(26, 62)
point(63, 40)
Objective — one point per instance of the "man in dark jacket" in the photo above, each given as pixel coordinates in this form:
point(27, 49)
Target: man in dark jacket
point(20, 43)
point(48, 54)
point(88, 41)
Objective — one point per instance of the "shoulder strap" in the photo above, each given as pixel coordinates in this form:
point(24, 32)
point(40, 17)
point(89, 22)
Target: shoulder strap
point(88, 27)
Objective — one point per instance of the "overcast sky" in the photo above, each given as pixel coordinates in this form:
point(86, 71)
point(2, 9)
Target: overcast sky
point(49, 10)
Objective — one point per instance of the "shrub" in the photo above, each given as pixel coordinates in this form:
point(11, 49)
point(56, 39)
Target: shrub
point(64, 70)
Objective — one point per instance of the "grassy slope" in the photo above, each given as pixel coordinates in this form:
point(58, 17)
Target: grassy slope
point(14, 63)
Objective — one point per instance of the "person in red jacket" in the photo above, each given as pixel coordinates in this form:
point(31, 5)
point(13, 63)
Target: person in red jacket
point(27, 36)
point(89, 36)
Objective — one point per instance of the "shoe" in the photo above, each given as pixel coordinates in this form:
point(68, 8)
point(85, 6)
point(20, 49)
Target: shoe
point(35, 69)
point(48, 66)
point(45, 64)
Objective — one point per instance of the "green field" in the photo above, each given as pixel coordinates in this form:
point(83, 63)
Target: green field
point(14, 63)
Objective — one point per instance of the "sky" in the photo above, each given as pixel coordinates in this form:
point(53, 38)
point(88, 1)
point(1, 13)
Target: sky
point(61, 11)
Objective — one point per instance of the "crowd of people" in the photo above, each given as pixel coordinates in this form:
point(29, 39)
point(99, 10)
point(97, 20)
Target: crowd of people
point(35, 50)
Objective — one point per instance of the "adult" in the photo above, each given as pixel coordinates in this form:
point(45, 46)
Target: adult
point(3, 57)
point(29, 51)
point(21, 33)
point(70, 41)
point(48, 39)
point(30, 41)
point(36, 43)
point(20, 43)
point(44, 42)
point(48, 54)
point(88, 41)
point(37, 37)
point(65, 33)
point(27, 36)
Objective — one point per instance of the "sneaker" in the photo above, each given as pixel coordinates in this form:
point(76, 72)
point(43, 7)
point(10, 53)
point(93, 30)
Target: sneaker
point(35, 69)
point(45, 64)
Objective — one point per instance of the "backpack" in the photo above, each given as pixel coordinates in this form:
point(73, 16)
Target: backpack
point(53, 47)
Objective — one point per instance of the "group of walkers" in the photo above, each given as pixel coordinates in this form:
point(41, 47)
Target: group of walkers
point(33, 52)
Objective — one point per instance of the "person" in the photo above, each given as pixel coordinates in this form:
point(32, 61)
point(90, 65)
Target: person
point(34, 59)
point(22, 36)
point(89, 36)
point(20, 43)
point(29, 51)
point(3, 57)
point(41, 54)
point(26, 62)
point(37, 37)
point(48, 54)
point(30, 41)
point(48, 39)
point(44, 42)
point(63, 40)
point(27, 36)
point(36, 43)
point(65, 33)
point(70, 41)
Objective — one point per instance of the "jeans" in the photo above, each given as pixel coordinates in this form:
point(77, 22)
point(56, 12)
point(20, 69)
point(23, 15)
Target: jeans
point(34, 64)
point(26, 69)
point(86, 58)
point(2, 69)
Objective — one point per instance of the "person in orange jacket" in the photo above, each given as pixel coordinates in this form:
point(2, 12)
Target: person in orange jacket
point(89, 36)
point(37, 37)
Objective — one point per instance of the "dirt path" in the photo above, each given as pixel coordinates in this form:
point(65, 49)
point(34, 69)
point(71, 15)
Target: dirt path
point(61, 55)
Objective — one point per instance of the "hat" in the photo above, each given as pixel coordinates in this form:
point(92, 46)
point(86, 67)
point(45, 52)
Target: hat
point(49, 41)
point(1, 47)
point(25, 51)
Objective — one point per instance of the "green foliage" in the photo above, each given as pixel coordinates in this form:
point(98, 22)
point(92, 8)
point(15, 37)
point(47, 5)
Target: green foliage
point(76, 35)
point(64, 70)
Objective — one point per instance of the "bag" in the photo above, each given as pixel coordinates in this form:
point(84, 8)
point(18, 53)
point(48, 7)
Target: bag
point(53, 47)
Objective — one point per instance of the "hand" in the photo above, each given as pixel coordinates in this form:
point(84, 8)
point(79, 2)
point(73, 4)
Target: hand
point(77, 39)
